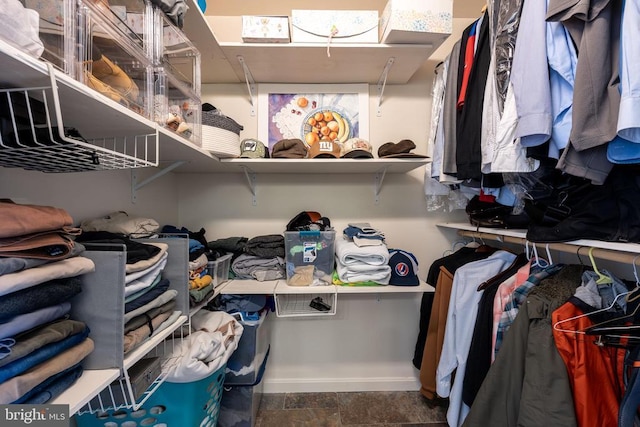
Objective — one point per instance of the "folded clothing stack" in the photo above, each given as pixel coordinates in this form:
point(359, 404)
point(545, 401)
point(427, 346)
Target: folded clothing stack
point(362, 234)
point(362, 263)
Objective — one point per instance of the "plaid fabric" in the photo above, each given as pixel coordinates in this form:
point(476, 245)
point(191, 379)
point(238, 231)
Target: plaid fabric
point(517, 298)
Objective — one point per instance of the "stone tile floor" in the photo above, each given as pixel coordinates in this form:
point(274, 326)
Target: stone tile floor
point(353, 409)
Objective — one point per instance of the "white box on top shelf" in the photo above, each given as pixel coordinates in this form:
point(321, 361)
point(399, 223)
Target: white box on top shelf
point(112, 64)
point(175, 52)
point(265, 29)
point(416, 22)
point(177, 107)
point(334, 26)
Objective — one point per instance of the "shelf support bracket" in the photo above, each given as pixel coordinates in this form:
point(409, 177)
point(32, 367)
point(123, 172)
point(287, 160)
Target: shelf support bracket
point(251, 84)
point(251, 179)
point(382, 82)
point(379, 179)
point(135, 185)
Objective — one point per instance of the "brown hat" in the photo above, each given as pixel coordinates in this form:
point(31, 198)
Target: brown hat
point(400, 150)
point(325, 149)
point(289, 149)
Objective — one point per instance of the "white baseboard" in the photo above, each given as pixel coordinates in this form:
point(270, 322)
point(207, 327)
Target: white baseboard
point(310, 385)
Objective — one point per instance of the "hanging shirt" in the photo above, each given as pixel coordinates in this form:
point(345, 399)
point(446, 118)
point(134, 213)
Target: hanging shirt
point(461, 317)
point(469, 52)
point(530, 76)
point(629, 117)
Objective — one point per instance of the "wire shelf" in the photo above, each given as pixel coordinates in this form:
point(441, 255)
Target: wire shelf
point(299, 305)
point(33, 137)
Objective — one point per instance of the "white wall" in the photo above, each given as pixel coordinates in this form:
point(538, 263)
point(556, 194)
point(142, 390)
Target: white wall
point(370, 342)
point(93, 194)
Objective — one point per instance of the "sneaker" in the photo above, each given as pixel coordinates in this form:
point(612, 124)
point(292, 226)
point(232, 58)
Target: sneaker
point(108, 72)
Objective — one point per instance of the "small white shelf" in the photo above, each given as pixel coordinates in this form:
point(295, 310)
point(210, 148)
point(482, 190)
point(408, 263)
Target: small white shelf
point(252, 287)
point(249, 287)
point(144, 348)
point(347, 166)
point(389, 289)
point(193, 310)
point(90, 383)
point(522, 234)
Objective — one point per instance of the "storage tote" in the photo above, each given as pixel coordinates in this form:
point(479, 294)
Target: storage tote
point(171, 405)
point(245, 362)
point(219, 269)
point(309, 257)
point(240, 403)
point(220, 134)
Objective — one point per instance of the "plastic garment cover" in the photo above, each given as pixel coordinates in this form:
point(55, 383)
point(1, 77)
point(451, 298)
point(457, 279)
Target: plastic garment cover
point(507, 21)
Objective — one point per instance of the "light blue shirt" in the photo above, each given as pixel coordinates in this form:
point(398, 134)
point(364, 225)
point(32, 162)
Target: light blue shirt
point(530, 77)
point(563, 60)
point(629, 114)
point(461, 318)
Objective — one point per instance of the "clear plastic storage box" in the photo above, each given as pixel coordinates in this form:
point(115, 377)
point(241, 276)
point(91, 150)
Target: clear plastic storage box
point(57, 31)
point(110, 64)
point(309, 257)
point(134, 19)
point(176, 53)
point(244, 364)
point(219, 269)
point(177, 107)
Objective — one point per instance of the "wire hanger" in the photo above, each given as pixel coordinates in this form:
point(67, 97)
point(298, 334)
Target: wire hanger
point(573, 331)
point(537, 261)
point(603, 279)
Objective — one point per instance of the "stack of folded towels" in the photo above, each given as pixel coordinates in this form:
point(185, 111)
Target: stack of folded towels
point(362, 257)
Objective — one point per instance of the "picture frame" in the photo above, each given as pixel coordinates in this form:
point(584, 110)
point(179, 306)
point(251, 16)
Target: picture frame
point(284, 111)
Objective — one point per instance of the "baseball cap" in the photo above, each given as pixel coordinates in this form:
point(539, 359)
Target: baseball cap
point(356, 148)
point(404, 268)
point(325, 149)
point(401, 149)
point(289, 149)
point(253, 149)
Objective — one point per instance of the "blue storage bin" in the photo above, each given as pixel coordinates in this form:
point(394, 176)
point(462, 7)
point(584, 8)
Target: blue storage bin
point(240, 403)
point(171, 405)
point(245, 362)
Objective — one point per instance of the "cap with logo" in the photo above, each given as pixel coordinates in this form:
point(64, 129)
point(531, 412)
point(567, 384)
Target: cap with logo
point(325, 149)
point(404, 268)
point(289, 149)
point(401, 149)
point(356, 148)
point(253, 149)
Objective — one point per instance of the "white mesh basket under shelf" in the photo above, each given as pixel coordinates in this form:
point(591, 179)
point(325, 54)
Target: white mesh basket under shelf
point(33, 137)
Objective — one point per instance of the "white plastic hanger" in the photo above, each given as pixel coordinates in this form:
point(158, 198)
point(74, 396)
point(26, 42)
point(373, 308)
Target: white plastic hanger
point(537, 261)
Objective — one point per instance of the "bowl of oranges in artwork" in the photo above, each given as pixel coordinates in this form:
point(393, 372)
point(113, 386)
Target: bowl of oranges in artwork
point(325, 124)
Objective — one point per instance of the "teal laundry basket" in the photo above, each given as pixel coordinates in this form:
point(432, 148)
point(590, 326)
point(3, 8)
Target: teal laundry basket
point(193, 404)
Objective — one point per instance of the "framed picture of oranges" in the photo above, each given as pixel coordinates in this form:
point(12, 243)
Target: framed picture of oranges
point(312, 113)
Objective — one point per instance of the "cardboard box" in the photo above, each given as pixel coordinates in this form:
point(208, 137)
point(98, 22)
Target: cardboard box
point(416, 22)
point(265, 29)
point(335, 26)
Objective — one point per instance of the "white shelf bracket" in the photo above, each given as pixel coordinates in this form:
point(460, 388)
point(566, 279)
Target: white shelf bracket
point(251, 179)
point(135, 185)
point(251, 84)
point(382, 82)
point(379, 179)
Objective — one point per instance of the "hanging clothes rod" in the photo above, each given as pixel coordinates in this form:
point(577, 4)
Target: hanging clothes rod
point(579, 251)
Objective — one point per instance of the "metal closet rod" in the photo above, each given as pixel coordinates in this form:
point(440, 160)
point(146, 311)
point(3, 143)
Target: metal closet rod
point(582, 252)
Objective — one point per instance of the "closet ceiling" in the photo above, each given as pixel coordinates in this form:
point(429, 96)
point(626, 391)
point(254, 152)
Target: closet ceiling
point(461, 8)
